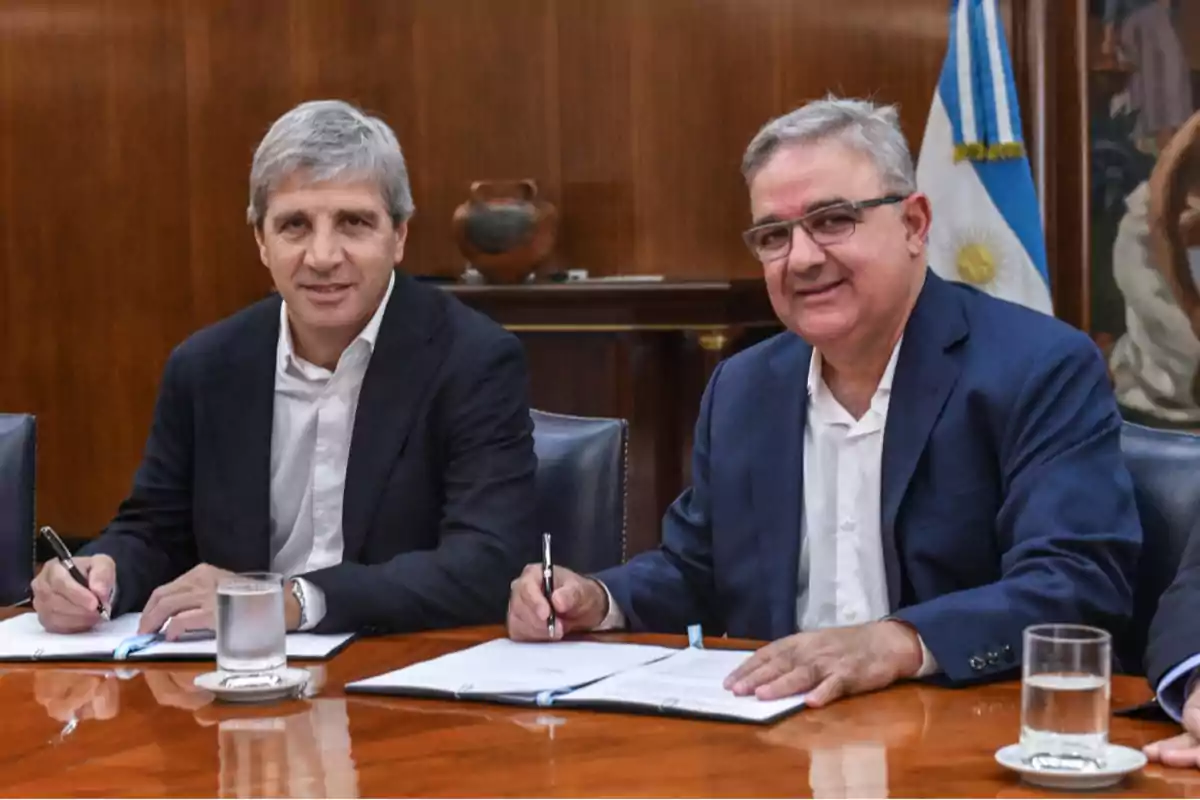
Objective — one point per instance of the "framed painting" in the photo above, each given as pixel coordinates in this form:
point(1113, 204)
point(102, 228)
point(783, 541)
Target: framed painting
point(1143, 84)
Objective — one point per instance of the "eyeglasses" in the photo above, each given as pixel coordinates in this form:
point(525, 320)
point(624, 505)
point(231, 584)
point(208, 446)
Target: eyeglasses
point(825, 226)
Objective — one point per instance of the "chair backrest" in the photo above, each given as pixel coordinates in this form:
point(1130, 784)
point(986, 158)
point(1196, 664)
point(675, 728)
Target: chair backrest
point(581, 488)
point(1165, 466)
point(18, 449)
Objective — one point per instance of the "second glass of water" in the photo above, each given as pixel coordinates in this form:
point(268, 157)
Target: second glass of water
point(1065, 685)
point(251, 628)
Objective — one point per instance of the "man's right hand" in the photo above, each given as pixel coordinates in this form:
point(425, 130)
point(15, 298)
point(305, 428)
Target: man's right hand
point(580, 604)
point(62, 605)
point(68, 695)
point(1182, 750)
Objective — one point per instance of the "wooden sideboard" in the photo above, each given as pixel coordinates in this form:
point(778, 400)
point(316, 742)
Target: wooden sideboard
point(639, 350)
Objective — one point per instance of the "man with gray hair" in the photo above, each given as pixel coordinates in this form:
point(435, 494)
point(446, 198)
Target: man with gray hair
point(897, 485)
point(366, 436)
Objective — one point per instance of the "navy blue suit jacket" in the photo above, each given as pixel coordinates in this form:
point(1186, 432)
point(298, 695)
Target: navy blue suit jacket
point(1175, 632)
point(1005, 501)
point(439, 495)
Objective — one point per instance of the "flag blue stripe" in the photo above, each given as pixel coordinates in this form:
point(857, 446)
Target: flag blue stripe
point(985, 96)
point(948, 82)
point(1009, 182)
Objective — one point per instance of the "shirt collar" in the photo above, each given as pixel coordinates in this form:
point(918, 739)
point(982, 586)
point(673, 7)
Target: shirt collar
point(286, 353)
point(816, 384)
point(885, 382)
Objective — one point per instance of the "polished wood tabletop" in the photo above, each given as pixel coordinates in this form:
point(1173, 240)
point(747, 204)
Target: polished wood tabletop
point(86, 730)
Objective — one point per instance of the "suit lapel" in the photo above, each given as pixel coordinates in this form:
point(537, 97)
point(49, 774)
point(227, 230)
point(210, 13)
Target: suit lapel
point(244, 407)
point(778, 485)
point(926, 372)
point(407, 354)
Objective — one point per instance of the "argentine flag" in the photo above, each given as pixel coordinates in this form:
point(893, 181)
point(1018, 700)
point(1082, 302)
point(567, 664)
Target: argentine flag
point(987, 229)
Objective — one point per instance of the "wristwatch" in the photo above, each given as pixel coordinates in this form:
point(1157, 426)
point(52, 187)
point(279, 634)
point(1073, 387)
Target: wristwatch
point(302, 601)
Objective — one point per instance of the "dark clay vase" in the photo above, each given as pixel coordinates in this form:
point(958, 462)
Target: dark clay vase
point(504, 229)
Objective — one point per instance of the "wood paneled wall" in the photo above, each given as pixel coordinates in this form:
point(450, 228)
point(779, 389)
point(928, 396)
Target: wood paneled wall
point(127, 127)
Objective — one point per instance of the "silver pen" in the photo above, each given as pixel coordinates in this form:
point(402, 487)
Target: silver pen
point(548, 581)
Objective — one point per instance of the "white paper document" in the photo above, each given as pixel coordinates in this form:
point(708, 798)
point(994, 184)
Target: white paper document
point(692, 680)
point(23, 638)
point(505, 667)
point(597, 675)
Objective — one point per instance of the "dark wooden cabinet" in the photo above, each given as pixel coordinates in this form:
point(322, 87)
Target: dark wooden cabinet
point(641, 351)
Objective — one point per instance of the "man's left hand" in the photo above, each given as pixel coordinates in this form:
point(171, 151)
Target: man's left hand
point(830, 663)
point(1182, 750)
point(189, 601)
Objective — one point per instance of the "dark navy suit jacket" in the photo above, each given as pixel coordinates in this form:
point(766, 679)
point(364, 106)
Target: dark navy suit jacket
point(1005, 501)
point(1174, 644)
point(439, 494)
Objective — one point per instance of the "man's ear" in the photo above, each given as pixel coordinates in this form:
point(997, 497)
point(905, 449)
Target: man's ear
point(917, 216)
point(262, 245)
point(401, 235)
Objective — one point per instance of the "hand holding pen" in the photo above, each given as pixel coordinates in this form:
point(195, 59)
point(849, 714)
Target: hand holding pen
point(549, 601)
point(72, 594)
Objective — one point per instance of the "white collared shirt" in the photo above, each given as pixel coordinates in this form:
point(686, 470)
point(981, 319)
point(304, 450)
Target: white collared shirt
point(842, 579)
point(311, 427)
point(842, 575)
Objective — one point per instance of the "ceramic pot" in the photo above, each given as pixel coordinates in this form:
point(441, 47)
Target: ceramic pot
point(505, 230)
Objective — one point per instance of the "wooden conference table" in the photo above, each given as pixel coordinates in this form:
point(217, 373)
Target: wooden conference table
point(86, 730)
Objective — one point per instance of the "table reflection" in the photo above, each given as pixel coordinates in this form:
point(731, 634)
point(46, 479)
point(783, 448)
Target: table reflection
point(293, 748)
point(304, 754)
point(73, 695)
point(283, 749)
point(539, 723)
point(1182, 782)
point(848, 744)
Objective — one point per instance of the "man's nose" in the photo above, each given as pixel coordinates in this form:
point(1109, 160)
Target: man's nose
point(805, 253)
point(324, 250)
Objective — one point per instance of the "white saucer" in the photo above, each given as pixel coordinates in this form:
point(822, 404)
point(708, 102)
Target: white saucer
point(234, 688)
point(1119, 761)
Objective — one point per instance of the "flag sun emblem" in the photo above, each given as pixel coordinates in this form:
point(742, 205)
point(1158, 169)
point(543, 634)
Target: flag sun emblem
point(977, 259)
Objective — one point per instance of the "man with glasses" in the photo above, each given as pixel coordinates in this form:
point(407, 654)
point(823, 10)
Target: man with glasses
point(900, 483)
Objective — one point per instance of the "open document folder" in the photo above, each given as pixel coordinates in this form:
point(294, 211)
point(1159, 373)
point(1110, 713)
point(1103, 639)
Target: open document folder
point(22, 638)
point(600, 675)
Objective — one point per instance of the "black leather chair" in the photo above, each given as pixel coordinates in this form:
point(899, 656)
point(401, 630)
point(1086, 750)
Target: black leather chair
point(581, 488)
point(1165, 466)
point(17, 457)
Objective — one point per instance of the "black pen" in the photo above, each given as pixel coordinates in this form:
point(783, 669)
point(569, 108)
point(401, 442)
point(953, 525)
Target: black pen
point(64, 557)
point(548, 581)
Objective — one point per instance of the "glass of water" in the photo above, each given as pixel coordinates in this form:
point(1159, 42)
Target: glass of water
point(251, 628)
point(1065, 684)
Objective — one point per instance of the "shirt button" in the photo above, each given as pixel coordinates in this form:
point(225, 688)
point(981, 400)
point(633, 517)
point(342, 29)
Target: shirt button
point(847, 524)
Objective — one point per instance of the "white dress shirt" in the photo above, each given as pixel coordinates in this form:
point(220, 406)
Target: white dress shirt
point(842, 576)
point(842, 579)
point(311, 427)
